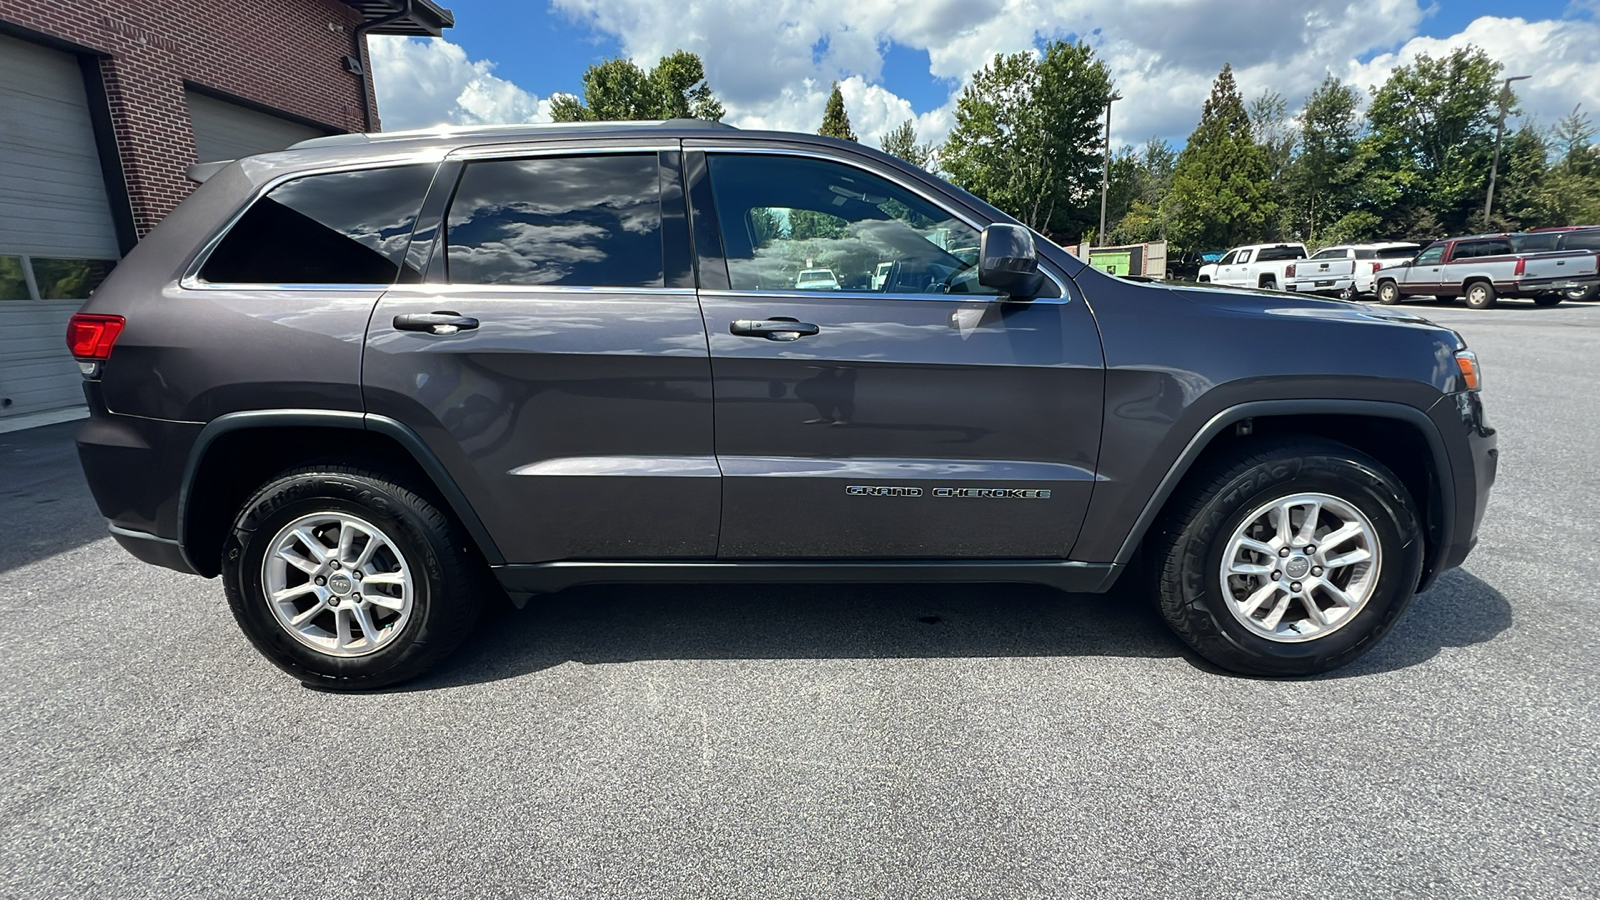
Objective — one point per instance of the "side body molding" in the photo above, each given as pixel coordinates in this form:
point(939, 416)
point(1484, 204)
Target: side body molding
point(324, 418)
point(1267, 408)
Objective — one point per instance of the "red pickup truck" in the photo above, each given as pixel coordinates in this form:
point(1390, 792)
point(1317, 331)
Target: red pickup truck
point(1484, 268)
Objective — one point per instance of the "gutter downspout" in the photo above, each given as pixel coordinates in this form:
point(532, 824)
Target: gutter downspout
point(358, 43)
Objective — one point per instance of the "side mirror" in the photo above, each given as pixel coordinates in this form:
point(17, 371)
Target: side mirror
point(1008, 262)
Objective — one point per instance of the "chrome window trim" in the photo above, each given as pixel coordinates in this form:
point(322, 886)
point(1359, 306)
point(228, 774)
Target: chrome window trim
point(424, 288)
point(191, 279)
point(710, 147)
point(543, 148)
point(876, 295)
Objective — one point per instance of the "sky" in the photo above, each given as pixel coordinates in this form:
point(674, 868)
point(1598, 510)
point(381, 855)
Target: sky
point(772, 62)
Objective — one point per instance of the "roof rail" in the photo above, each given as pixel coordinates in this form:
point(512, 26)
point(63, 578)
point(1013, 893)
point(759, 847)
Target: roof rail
point(452, 131)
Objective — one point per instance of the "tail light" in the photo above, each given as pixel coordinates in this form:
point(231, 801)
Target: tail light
point(1289, 272)
point(1471, 375)
point(90, 338)
point(1376, 266)
point(1522, 266)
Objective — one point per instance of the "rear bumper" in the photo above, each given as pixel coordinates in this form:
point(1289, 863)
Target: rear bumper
point(134, 468)
point(156, 551)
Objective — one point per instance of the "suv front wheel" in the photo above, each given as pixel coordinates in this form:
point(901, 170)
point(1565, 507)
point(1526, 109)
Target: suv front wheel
point(348, 580)
point(1293, 559)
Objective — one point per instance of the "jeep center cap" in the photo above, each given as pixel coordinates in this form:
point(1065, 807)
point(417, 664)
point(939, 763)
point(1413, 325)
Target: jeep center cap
point(339, 583)
point(1294, 568)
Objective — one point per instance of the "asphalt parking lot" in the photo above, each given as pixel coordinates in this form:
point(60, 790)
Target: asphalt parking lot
point(824, 741)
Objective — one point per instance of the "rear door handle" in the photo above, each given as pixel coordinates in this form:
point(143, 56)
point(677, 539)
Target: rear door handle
point(441, 322)
point(777, 329)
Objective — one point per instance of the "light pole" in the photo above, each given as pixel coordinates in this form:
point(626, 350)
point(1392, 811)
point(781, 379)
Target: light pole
point(1499, 132)
point(1105, 174)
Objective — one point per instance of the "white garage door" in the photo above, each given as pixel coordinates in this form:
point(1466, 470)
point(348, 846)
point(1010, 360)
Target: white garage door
point(57, 239)
point(224, 130)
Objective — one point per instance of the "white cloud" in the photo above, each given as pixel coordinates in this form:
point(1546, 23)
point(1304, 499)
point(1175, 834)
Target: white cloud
point(772, 61)
point(1561, 58)
point(428, 81)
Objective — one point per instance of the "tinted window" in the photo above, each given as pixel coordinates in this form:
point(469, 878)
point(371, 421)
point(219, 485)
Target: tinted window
point(1337, 253)
point(339, 228)
point(1583, 240)
point(1227, 260)
point(591, 221)
point(1475, 249)
point(1534, 243)
point(805, 224)
point(1397, 252)
point(1431, 255)
point(1273, 254)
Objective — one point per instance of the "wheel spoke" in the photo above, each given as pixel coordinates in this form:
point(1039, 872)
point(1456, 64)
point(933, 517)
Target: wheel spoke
point(1240, 568)
point(341, 627)
point(1273, 618)
point(347, 540)
point(1335, 593)
point(384, 578)
point(373, 543)
point(364, 619)
point(290, 593)
point(1313, 610)
point(1339, 536)
point(1308, 526)
point(309, 614)
point(316, 548)
point(1280, 521)
point(310, 567)
point(1360, 554)
point(387, 602)
point(1254, 601)
point(1257, 546)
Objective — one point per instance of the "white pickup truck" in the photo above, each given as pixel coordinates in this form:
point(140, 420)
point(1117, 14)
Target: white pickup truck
point(1255, 265)
point(1347, 270)
point(1484, 268)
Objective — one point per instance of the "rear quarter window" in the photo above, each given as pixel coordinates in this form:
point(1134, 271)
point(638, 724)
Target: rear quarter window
point(1583, 240)
point(335, 228)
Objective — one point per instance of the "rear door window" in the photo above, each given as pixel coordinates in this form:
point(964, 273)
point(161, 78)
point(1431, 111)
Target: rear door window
point(590, 221)
point(1583, 240)
point(339, 228)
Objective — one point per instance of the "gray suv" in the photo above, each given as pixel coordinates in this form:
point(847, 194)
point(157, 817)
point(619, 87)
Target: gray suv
point(374, 380)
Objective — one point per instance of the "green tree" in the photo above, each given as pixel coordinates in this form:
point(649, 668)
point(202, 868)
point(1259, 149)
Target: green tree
point(1273, 129)
point(901, 141)
point(1028, 137)
point(617, 90)
point(1323, 183)
point(835, 121)
point(1431, 134)
point(1571, 190)
point(1220, 193)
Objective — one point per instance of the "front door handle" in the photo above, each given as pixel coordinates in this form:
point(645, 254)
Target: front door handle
point(776, 329)
point(441, 322)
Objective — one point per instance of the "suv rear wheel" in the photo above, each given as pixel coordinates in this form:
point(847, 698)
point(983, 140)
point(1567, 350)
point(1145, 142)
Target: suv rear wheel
point(348, 580)
point(1293, 559)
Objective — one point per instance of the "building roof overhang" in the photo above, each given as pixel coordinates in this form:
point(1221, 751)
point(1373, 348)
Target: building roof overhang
point(420, 18)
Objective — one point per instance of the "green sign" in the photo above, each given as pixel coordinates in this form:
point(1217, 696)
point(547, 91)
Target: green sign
point(1111, 262)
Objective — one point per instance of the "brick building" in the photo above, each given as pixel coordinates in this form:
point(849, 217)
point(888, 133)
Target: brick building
point(103, 106)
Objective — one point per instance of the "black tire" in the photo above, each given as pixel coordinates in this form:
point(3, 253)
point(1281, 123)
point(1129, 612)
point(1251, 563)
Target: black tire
point(448, 578)
point(1548, 299)
point(1193, 535)
point(1584, 294)
point(1349, 294)
point(1389, 293)
point(1269, 283)
point(1481, 295)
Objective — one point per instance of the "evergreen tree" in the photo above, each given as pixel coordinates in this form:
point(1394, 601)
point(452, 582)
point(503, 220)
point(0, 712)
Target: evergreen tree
point(1028, 137)
point(617, 91)
point(1324, 180)
point(901, 141)
point(835, 121)
point(1220, 187)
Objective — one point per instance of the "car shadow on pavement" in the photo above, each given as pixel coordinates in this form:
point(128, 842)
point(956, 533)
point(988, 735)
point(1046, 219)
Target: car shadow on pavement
point(44, 502)
point(618, 624)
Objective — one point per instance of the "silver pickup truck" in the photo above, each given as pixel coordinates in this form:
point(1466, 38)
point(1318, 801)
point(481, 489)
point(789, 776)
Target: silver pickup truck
point(1346, 270)
point(1484, 268)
